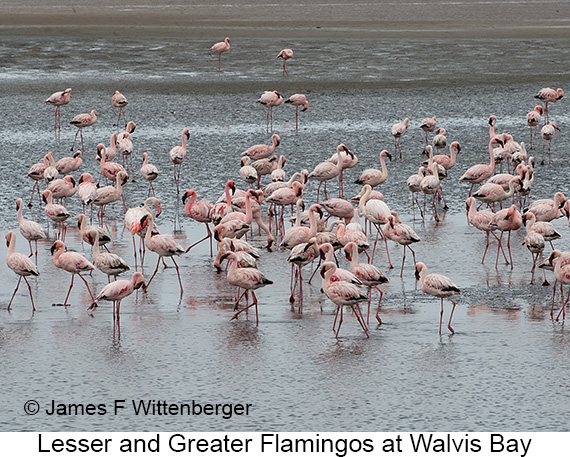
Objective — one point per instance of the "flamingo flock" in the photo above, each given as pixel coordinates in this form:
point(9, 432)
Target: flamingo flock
point(330, 225)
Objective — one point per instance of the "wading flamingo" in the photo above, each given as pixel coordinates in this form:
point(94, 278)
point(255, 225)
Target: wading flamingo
point(30, 230)
point(373, 176)
point(149, 172)
point(177, 156)
point(20, 264)
point(397, 132)
point(118, 100)
point(546, 95)
point(219, 48)
point(285, 55)
point(298, 100)
point(533, 121)
point(270, 99)
point(428, 125)
point(58, 99)
point(81, 121)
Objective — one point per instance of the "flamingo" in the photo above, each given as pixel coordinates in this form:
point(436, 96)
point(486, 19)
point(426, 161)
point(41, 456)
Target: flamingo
point(534, 242)
point(278, 174)
point(246, 172)
point(546, 95)
point(352, 233)
point(439, 140)
point(163, 244)
point(20, 264)
point(533, 121)
point(520, 155)
point(297, 100)
point(106, 262)
point(491, 192)
point(68, 165)
point(414, 186)
point(431, 185)
point(481, 220)
point(377, 213)
point(200, 212)
point(546, 229)
point(177, 156)
point(109, 170)
point(506, 220)
point(116, 291)
point(262, 151)
point(219, 48)
point(125, 148)
point(36, 173)
point(326, 171)
point(221, 208)
point(301, 255)
point(263, 166)
point(439, 286)
point(402, 234)
point(57, 213)
point(547, 209)
point(102, 236)
point(256, 199)
point(547, 133)
point(148, 172)
point(299, 234)
point(448, 161)
point(81, 121)
point(133, 217)
point(118, 100)
point(285, 55)
point(109, 152)
point(62, 188)
point(237, 246)
point(480, 172)
point(375, 177)
point(270, 99)
point(73, 262)
point(370, 276)
point(556, 260)
point(249, 279)
point(50, 172)
point(30, 230)
point(342, 294)
point(428, 125)
point(58, 99)
point(110, 194)
point(397, 132)
point(86, 191)
point(339, 207)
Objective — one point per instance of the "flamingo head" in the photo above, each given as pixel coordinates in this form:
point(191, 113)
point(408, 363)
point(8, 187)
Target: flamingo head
point(187, 194)
point(18, 204)
point(56, 246)
point(385, 153)
point(138, 281)
point(77, 154)
point(492, 120)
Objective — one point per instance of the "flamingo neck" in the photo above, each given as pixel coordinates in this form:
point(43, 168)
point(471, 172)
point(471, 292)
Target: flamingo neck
point(353, 256)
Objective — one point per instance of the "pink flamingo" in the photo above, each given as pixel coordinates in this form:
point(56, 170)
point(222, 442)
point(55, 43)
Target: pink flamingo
point(106, 262)
point(110, 194)
point(431, 185)
point(428, 125)
point(439, 140)
point(546, 229)
point(534, 242)
point(342, 294)
point(262, 151)
point(506, 220)
point(162, 244)
point(491, 192)
point(86, 191)
point(73, 262)
point(109, 170)
point(481, 220)
point(57, 213)
point(439, 286)
point(301, 255)
point(285, 55)
point(224, 204)
point(68, 165)
point(30, 230)
point(377, 213)
point(397, 132)
point(177, 156)
point(402, 234)
point(448, 161)
point(118, 100)
point(547, 132)
point(299, 234)
point(133, 217)
point(58, 99)
point(546, 95)
point(339, 207)
point(149, 172)
point(328, 170)
point(414, 186)
point(246, 172)
point(352, 233)
point(81, 121)
point(270, 99)
point(278, 174)
point(249, 279)
point(533, 121)
point(199, 211)
point(219, 48)
point(125, 148)
point(560, 260)
point(21, 265)
point(370, 276)
point(63, 188)
point(50, 173)
point(375, 177)
point(102, 236)
point(116, 291)
point(36, 173)
point(480, 172)
point(263, 167)
point(297, 100)
point(547, 209)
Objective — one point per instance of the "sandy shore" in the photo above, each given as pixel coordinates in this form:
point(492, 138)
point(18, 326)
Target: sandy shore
point(247, 18)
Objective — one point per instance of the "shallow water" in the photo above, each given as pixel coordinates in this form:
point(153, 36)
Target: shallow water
point(504, 368)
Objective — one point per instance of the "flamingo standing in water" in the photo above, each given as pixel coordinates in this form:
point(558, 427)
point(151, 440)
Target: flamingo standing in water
point(342, 293)
point(402, 234)
point(68, 165)
point(110, 194)
point(177, 156)
point(30, 230)
point(36, 173)
point(57, 213)
point(439, 140)
point(375, 177)
point(428, 125)
point(298, 100)
point(118, 100)
point(58, 99)
point(439, 286)
point(506, 220)
point(106, 262)
point(301, 255)
point(547, 132)
point(414, 186)
point(219, 48)
point(480, 172)
point(534, 242)
point(481, 220)
point(81, 121)
point(86, 191)
point(133, 217)
point(163, 244)
point(533, 120)
point(546, 95)
point(285, 55)
point(116, 291)
point(547, 209)
point(73, 262)
point(262, 151)
point(109, 169)
point(377, 213)
point(149, 172)
point(270, 99)
point(328, 170)
point(20, 264)
point(200, 212)
point(397, 132)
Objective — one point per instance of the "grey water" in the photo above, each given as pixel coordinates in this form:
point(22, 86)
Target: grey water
point(505, 367)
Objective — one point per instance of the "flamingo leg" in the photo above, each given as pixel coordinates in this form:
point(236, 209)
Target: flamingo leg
point(564, 303)
point(69, 291)
point(441, 316)
point(451, 315)
point(340, 321)
point(155, 270)
point(379, 303)
point(16, 290)
point(30, 290)
point(178, 273)
point(360, 318)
